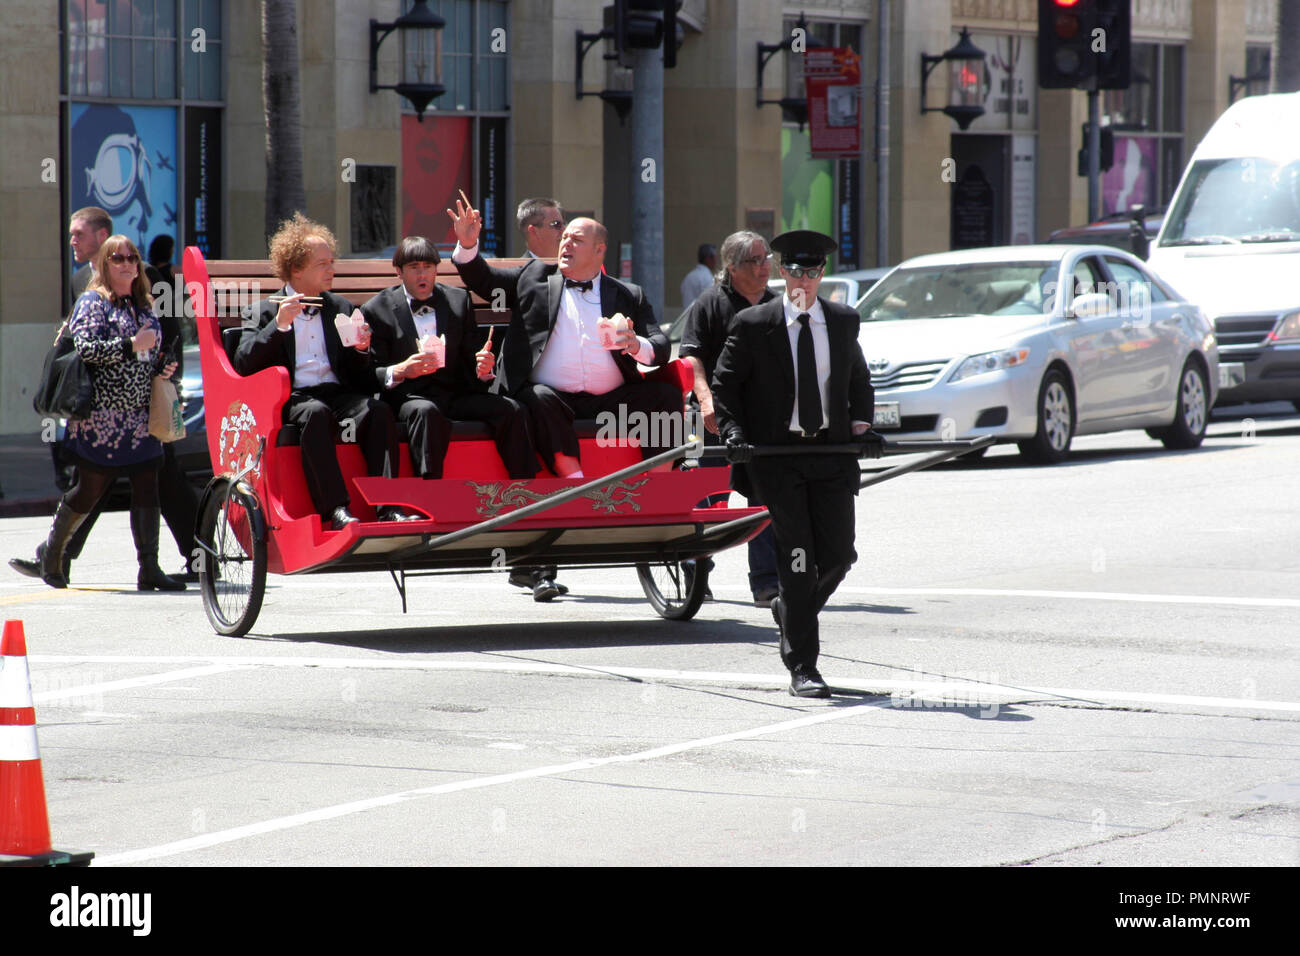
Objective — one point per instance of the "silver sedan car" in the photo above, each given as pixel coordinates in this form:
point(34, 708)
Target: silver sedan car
point(1034, 345)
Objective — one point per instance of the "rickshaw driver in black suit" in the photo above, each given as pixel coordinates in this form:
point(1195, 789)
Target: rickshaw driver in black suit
point(792, 373)
point(551, 361)
point(428, 396)
point(329, 382)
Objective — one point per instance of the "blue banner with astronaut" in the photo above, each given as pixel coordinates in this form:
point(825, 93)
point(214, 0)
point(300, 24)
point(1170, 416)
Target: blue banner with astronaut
point(123, 158)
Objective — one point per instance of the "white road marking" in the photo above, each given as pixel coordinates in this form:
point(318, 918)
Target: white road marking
point(88, 690)
point(930, 690)
point(616, 588)
point(359, 806)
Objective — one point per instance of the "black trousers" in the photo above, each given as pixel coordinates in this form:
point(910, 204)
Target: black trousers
point(553, 413)
point(429, 421)
point(810, 498)
point(319, 411)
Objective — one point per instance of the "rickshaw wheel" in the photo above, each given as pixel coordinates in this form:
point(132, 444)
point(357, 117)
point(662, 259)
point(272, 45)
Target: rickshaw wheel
point(233, 548)
point(673, 590)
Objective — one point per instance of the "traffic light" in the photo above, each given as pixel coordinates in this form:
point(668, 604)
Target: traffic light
point(1107, 142)
point(642, 25)
point(1080, 41)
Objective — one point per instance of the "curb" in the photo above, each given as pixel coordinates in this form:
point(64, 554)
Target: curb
point(28, 508)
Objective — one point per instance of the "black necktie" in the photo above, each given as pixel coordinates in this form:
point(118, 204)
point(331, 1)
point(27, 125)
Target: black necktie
point(580, 286)
point(810, 399)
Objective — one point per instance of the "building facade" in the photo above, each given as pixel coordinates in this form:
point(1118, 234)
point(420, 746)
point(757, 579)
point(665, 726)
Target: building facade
point(154, 110)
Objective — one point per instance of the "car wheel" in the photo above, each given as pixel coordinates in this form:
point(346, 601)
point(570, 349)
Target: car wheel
point(1193, 413)
point(1051, 443)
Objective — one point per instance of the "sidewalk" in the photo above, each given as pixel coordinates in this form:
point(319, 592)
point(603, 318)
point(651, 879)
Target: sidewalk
point(26, 476)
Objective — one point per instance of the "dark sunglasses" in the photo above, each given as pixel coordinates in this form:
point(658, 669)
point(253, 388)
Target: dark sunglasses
point(798, 272)
point(117, 258)
point(553, 224)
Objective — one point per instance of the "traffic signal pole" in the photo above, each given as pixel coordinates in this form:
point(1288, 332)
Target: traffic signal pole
point(1094, 153)
point(648, 186)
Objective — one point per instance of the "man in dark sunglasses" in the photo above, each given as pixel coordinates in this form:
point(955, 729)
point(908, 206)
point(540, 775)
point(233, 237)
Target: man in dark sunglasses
point(541, 221)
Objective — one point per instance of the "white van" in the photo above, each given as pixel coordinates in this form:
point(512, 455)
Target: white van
point(1231, 243)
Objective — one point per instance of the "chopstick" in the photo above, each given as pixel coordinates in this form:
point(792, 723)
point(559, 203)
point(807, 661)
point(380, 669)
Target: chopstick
point(305, 299)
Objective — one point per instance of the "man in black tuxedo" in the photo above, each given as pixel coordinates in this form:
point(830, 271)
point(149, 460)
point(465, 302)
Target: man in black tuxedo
point(330, 382)
point(551, 360)
point(426, 395)
point(792, 373)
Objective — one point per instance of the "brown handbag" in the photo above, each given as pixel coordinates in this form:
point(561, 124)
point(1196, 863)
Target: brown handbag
point(166, 418)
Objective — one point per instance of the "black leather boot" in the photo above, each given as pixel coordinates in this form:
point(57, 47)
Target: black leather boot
point(53, 567)
point(32, 567)
point(144, 529)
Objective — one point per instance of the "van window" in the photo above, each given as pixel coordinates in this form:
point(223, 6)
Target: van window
point(1236, 200)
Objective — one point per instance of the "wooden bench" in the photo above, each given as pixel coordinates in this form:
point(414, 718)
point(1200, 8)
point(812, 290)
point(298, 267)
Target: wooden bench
point(231, 398)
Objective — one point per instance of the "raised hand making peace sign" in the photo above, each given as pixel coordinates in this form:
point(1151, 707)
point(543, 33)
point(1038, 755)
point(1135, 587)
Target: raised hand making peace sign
point(466, 222)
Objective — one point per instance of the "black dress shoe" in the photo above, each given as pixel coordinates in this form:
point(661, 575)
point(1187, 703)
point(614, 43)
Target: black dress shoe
point(545, 589)
point(806, 682)
point(391, 513)
point(527, 578)
point(340, 518)
point(778, 614)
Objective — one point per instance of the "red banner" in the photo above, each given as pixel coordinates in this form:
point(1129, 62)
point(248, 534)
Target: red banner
point(437, 159)
point(832, 84)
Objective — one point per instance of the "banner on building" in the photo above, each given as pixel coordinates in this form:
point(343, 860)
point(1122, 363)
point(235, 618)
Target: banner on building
point(491, 183)
point(203, 179)
point(833, 86)
point(437, 160)
point(123, 159)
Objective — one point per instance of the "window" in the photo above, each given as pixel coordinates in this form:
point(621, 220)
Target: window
point(141, 95)
point(1147, 120)
point(475, 57)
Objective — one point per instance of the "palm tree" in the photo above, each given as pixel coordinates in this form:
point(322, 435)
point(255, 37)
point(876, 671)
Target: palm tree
point(282, 101)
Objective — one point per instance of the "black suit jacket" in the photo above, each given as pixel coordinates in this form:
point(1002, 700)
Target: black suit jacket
point(394, 339)
point(262, 345)
point(532, 293)
point(754, 385)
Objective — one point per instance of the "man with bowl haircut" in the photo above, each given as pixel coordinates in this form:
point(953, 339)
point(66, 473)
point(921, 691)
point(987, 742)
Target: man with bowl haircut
point(429, 392)
point(792, 373)
point(331, 383)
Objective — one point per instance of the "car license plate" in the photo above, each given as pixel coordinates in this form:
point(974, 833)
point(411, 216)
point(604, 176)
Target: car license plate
point(1231, 373)
point(886, 416)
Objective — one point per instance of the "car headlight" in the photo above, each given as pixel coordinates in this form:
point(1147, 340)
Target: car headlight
point(1288, 330)
point(990, 362)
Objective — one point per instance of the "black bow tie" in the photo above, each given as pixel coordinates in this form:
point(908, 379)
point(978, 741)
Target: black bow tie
point(421, 305)
point(580, 286)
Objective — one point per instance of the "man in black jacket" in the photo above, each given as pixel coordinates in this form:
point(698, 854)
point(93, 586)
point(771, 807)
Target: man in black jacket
point(792, 373)
point(331, 383)
point(551, 360)
point(428, 393)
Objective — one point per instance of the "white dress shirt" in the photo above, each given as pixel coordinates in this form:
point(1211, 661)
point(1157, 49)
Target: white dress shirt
point(425, 324)
point(311, 358)
point(573, 360)
point(821, 349)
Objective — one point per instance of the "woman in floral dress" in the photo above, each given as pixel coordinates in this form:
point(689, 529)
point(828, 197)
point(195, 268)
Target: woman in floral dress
point(117, 336)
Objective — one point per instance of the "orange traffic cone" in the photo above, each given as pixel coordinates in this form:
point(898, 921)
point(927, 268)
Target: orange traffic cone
point(24, 821)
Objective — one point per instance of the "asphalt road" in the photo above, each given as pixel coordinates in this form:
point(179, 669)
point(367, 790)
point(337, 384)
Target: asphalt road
point(1094, 663)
